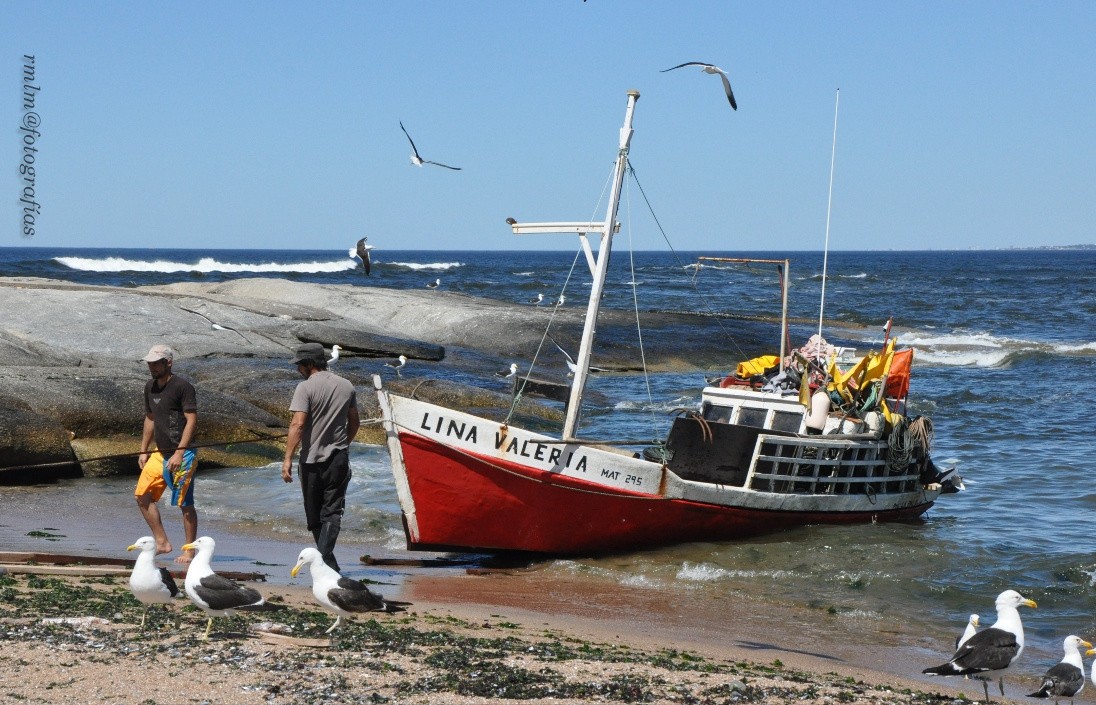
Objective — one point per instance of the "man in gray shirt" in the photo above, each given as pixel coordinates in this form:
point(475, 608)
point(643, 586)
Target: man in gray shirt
point(325, 420)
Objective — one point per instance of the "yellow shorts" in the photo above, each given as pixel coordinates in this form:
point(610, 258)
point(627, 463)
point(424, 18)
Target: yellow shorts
point(155, 478)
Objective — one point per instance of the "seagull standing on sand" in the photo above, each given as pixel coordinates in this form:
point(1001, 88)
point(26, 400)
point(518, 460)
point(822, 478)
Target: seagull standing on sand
point(214, 325)
point(993, 649)
point(1066, 678)
point(971, 630)
point(434, 284)
point(343, 597)
point(215, 595)
point(419, 161)
point(362, 251)
point(397, 365)
point(507, 374)
point(149, 584)
point(334, 354)
point(712, 69)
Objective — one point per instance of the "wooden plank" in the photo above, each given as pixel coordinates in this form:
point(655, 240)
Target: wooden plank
point(60, 558)
point(93, 567)
point(274, 638)
point(81, 570)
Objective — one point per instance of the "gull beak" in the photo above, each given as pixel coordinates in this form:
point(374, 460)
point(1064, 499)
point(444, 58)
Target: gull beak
point(1029, 603)
point(296, 569)
point(1090, 652)
point(189, 547)
point(1086, 644)
point(133, 547)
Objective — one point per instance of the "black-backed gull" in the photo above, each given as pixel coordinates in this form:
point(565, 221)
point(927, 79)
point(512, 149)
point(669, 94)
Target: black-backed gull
point(340, 595)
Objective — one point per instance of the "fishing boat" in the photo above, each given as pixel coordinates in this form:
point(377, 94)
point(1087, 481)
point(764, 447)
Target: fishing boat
point(763, 452)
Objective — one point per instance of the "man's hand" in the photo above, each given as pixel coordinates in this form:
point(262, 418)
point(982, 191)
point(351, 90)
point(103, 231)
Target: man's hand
point(287, 470)
point(175, 461)
point(142, 460)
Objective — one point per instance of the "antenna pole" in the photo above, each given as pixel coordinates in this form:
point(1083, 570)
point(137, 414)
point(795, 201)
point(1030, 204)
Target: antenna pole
point(829, 207)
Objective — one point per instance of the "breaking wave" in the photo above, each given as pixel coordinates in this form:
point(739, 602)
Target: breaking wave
point(426, 266)
point(204, 265)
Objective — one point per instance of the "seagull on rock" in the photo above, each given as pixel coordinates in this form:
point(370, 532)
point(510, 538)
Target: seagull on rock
point(993, 649)
point(362, 251)
point(1066, 678)
point(560, 301)
point(334, 354)
point(215, 595)
point(419, 161)
point(148, 583)
point(397, 365)
point(343, 597)
point(971, 630)
point(536, 300)
point(434, 284)
point(508, 373)
point(712, 69)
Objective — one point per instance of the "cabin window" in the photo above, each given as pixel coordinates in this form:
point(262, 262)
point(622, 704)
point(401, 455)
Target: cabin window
point(752, 417)
point(787, 421)
point(719, 414)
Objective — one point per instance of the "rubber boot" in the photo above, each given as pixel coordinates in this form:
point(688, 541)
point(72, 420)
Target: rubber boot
point(325, 543)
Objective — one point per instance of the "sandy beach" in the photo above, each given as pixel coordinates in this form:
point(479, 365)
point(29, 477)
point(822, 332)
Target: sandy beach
point(747, 651)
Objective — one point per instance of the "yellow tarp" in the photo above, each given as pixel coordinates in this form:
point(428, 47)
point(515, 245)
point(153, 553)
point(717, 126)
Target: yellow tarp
point(873, 366)
point(756, 366)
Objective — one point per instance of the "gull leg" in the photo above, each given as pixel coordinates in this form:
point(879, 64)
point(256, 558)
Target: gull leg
point(209, 625)
point(985, 687)
point(332, 627)
point(1001, 685)
point(143, 615)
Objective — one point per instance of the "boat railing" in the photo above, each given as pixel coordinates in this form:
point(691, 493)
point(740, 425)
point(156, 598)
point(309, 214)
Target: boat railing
point(829, 466)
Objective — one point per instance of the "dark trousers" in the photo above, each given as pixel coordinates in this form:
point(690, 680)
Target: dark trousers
point(324, 486)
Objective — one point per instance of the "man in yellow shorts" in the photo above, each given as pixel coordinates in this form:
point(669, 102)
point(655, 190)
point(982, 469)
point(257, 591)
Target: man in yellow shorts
point(166, 459)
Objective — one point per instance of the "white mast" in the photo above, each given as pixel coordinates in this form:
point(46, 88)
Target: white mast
point(599, 265)
point(829, 205)
point(582, 360)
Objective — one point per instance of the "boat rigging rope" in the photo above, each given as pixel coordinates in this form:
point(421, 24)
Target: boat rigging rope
point(922, 432)
point(635, 306)
point(683, 266)
point(899, 447)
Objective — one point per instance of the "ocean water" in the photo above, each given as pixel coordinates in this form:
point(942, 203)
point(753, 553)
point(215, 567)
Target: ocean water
point(1005, 366)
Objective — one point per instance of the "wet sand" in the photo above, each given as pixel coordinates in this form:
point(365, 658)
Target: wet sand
point(744, 627)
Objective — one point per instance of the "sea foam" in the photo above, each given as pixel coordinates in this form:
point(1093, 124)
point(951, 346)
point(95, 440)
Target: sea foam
point(204, 265)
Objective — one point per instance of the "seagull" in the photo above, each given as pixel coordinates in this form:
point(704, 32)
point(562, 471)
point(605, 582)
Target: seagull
point(712, 69)
point(434, 284)
point(560, 301)
point(971, 630)
point(339, 595)
point(214, 325)
point(149, 584)
point(397, 365)
point(363, 252)
point(419, 161)
point(215, 595)
point(571, 365)
point(993, 649)
point(536, 300)
point(334, 354)
point(1067, 677)
point(1092, 652)
point(507, 374)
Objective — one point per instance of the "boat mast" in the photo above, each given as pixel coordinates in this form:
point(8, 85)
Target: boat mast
point(601, 266)
point(829, 207)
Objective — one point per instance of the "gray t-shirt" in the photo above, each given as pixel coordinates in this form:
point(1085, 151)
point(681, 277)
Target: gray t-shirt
point(326, 399)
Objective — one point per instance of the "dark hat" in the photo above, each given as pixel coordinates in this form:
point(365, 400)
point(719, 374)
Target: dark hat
point(308, 352)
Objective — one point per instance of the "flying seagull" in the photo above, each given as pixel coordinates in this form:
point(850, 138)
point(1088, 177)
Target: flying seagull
point(1066, 678)
point(508, 373)
point(993, 649)
point(215, 595)
point(334, 354)
point(712, 69)
point(149, 584)
point(343, 597)
point(214, 325)
point(363, 253)
point(397, 365)
point(570, 360)
point(419, 161)
point(434, 284)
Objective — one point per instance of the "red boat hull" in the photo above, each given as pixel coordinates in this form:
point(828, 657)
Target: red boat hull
point(468, 502)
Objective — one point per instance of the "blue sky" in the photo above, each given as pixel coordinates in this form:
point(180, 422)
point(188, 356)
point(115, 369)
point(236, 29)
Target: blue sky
point(276, 125)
